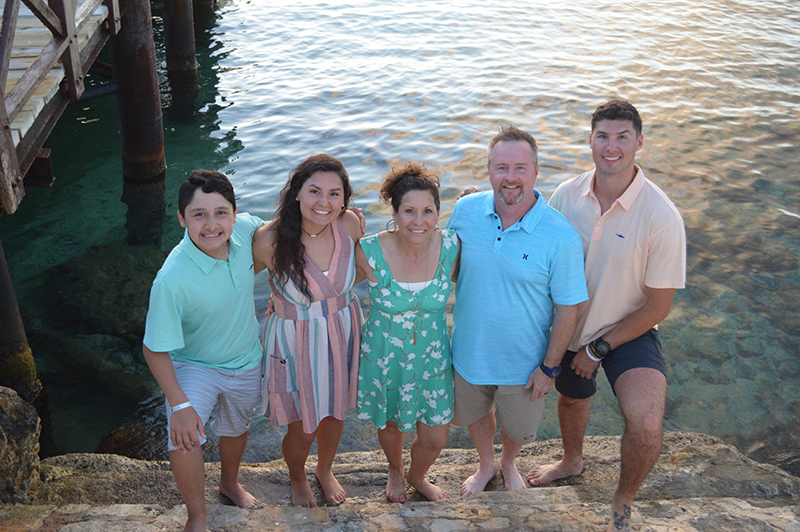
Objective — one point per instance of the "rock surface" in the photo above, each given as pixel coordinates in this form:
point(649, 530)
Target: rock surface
point(19, 446)
point(699, 483)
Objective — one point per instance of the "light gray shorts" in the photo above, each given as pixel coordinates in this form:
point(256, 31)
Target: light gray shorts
point(516, 414)
point(236, 392)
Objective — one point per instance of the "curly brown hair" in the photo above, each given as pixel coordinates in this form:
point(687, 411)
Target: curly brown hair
point(401, 180)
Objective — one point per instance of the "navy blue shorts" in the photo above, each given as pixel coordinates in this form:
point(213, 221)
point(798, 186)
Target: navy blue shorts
point(643, 352)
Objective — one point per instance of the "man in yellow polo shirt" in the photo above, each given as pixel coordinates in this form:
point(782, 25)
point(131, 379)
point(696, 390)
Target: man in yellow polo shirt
point(635, 259)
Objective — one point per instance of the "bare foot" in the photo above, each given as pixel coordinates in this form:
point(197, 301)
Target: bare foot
point(620, 519)
point(511, 478)
point(240, 496)
point(334, 492)
point(396, 486)
point(301, 492)
point(545, 474)
point(477, 482)
point(428, 490)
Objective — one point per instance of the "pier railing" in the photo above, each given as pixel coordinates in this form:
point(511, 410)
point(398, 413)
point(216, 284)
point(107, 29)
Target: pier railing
point(77, 34)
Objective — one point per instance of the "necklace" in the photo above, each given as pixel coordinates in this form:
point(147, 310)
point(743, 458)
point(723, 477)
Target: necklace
point(313, 235)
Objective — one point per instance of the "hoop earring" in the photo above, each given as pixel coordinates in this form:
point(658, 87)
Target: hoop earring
point(391, 225)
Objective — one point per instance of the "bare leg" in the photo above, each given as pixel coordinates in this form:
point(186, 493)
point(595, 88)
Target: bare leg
point(573, 416)
point(189, 471)
point(329, 434)
point(296, 446)
point(641, 394)
point(391, 440)
point(231, 450)
point(482, 432)
point(511, 477)
point(426, 448)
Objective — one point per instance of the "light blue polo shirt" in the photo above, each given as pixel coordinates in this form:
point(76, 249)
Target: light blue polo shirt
point(201, 309)
point(507, 283)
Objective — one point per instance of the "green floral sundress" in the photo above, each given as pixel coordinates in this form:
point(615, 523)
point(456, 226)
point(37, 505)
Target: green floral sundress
point(405, 371)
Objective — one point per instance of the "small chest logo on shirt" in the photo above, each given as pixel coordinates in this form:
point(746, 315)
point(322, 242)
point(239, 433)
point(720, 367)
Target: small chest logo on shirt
point(619, 235)
point(524, 256)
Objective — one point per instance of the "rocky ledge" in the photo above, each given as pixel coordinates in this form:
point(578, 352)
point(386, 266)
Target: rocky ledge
point(699, 483)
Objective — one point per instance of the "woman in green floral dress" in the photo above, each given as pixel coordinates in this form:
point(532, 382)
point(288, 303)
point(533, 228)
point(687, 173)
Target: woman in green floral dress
point(405, 378)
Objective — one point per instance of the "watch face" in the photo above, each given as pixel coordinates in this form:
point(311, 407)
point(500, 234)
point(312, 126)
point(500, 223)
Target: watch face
point(551, 372)
point(602, 347)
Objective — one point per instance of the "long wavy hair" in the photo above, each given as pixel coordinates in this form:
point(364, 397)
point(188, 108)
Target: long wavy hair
point(289, 255)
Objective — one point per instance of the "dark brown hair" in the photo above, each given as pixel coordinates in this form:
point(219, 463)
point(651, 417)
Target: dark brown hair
point(208, 181)
point(401, 180)
point(289, 249)
point(617, 110)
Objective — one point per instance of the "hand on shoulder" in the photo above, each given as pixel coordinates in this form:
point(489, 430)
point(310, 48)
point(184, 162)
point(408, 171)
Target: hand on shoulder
point(467, 191)
point(352, 224)
point(264, 247)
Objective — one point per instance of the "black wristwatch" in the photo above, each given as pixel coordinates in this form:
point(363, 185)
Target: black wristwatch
point(600, 348)
point(550, 372)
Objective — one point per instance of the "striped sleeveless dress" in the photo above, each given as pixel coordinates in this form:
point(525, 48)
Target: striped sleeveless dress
point(312, 345)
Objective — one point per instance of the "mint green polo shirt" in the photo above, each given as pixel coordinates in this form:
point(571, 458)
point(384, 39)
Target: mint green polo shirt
point(201, 309)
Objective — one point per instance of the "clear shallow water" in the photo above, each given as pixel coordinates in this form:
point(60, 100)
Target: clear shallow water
point(379, 83)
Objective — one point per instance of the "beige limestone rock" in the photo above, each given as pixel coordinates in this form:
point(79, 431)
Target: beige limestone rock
point(699, 484)
point(19, 447)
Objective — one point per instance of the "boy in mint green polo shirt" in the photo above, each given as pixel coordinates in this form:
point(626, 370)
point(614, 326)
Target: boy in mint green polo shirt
point(201, 338)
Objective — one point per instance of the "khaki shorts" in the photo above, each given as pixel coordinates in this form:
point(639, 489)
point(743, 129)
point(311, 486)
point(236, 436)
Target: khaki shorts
point(516, 414)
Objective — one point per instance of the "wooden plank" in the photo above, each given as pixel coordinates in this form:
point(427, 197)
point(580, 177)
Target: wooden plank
point(54, 49)
point(47, 16)
point(33, 58)
point(71, 59)
point(11, 187)
point(7, 33)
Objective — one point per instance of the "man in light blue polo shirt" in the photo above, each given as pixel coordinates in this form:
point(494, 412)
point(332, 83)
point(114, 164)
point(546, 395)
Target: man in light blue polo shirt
point(201, 338)
point(519, 285)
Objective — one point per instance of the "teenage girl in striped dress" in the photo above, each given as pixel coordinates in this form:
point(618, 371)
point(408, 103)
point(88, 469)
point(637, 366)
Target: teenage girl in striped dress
point(313, 336)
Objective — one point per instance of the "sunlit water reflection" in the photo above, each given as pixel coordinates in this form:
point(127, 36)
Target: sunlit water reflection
point(379, 83)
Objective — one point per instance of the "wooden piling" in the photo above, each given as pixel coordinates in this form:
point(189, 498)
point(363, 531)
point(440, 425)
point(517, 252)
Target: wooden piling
point(16, 359)
point(141, 123)
point(179, 38)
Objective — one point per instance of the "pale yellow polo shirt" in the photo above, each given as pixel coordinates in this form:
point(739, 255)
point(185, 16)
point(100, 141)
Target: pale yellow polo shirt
point(640, 241)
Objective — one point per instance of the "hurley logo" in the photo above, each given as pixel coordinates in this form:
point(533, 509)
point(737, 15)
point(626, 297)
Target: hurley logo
point(524, 256)
point(619, 235)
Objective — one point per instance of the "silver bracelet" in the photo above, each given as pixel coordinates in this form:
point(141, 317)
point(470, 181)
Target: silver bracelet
point(181, 406)
point(591, 356)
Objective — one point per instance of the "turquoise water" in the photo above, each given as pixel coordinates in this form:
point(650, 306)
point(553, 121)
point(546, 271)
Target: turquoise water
point(378, 83)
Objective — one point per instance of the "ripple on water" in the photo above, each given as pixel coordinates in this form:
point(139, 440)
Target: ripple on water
point(379, 83)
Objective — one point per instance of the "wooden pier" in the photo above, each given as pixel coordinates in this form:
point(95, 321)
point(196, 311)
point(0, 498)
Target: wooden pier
point(46, 51)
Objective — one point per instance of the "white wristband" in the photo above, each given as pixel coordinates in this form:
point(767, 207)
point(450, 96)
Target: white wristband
point(181, 406)
point(588, 354)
